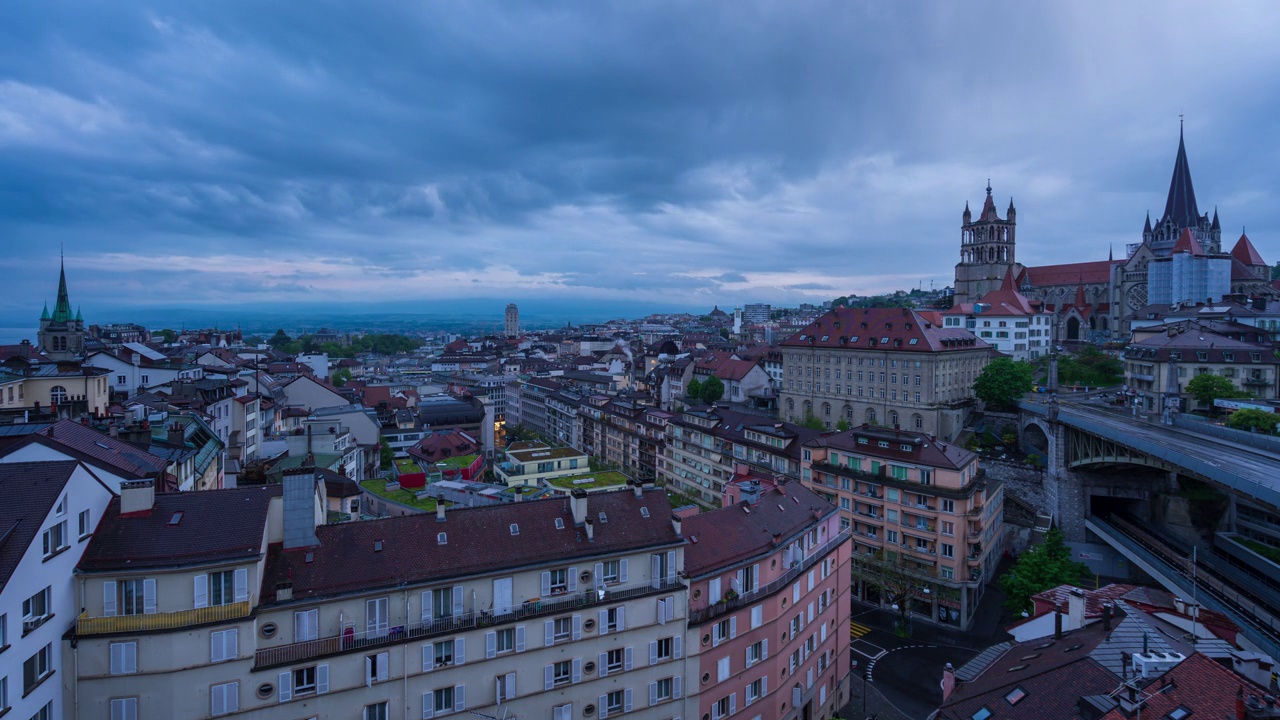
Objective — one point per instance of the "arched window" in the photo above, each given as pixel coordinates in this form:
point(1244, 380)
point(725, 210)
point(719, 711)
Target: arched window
point(871, 416)
point(791, 405)
point(893, 418)
point(826, 409)
point(848, 413)
point(808, 408)
point(57, 395)
point(917, 421)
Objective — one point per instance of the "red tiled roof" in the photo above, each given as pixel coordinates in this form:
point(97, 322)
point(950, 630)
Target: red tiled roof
point(1200, 685)
point(1245, 252)
point(720, 538)
point(30, 489)
point(896, 329)
point(1188, 243)
point(95, 448)
point(478, 540)
point(437, 446)
point(216, 526)
point(1097, 271)
point(928, 450)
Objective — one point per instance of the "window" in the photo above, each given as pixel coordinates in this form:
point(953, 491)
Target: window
point(563, 629)
point(505, 640)
point(609, 571)
point(755, 691)
point(562, 712)
point(982, 714)
point(613, 620)
point(948, 528)
point(1181, 712)
point(724, 630)
point(224, 645)
point(85, 527)
point(442, 700)
point(124, 708)
point(221, 587)
point(723, 707)
point(1015, 696)
point(948, 551)
point(57, 394)
point(55, 539)
point(662, 649)
point(559, 581)
point(947, 573)
point(377, 668)
point(306, 625)
point(723, 669)
point(757, 616)
point(948, 506)
point(562, 672)
point(614, 660)
point(35, 609)
point(377, 711)
point(124, 658)
point(442, 653)
point(506, 685)
point(613, 702)
point(662, 690)
point(46, 712)
point(224, 698)
point(304, 680)
point(755, 652)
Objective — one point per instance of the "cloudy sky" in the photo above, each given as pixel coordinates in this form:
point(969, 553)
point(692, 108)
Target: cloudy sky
point(353, 154)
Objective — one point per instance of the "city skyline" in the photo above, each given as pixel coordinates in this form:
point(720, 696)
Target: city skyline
point(665, 157)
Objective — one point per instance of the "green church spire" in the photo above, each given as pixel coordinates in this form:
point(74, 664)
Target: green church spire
point(62, 309)
point(44, 314)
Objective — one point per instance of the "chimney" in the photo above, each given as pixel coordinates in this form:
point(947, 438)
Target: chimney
point(637, 488)
point(578, 506)
point(176, 435)
point(591, 530)
point(1106, 616)
point(300, 508)
point(948, 681)
point(439, 510)
point(1075, 609)
point(137, 496)
point(1057, 622)
point(677, 524)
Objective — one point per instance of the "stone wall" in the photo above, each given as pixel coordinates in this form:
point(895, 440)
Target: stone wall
point(1020, 480)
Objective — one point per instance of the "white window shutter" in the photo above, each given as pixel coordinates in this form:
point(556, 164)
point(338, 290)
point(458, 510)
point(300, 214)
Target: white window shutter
point(733, 703)
point(149, 596)
point(604, 665)
point(676, 643)
point(117, 658)
point(604, 622)
point(823, 633)
point(428, 705)
point(577, 627)
point(811, 579)
point(511, 685)
point(733, 627)
point(109, 598)
point(577, 670)
point(573, 579)
point(764, 649)
point(675, 687)
point(384, 662)
point(490, 644)
point(599, 575)
point(368, 671)
point(519, 638)
point(810, 612)
point(671, 566)
point(215, 647)
point(713, 591)
point(202, 591)
point(626, 700)
point(457, 601)
point(549, 628)
point(622, 618)
point(459, 698)
point(428, 657)
point(764, 685)
point(822, 695)
point(322, 678)
point(795, 593)
point(426, 607)
point(653, 652)
point(546, 584)
point(653, 694)
point(662, 613)
point(603, 704)
point(627, 661)
point(655, 570)
point(622, 570)
point(241, 584)
point(755, 578)
point(285, 682)
point(131, 657)
point(459, 651)
point(548, 677)
point(757, 616)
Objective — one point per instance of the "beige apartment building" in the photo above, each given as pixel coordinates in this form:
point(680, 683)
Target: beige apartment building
point(240, 603)
point(924, 506)
point(1162, 359)
point(884, 366)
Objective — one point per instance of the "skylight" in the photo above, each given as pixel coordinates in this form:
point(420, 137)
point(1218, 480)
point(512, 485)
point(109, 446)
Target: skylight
point(559, 523)
point(442, 539)
point(1015, 696)
point(515, 529)
point(177, 518)
point(644, 512)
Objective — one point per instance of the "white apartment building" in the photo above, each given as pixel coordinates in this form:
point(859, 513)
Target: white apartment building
point(50, 515)
point(253, 608)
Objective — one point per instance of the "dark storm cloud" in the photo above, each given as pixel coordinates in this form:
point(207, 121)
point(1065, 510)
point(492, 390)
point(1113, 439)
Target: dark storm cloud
point(674, 152)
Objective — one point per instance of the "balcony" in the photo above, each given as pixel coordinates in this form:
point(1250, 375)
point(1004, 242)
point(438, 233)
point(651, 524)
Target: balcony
point(1260, 381)
point(349, 640)
point(86, 625)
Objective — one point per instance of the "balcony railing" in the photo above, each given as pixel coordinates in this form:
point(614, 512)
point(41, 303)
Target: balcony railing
point(349, 640)
point(86, 625)
point(704, 614)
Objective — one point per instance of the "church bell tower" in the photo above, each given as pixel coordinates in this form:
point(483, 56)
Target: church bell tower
point(61, 335)
point(986, 250)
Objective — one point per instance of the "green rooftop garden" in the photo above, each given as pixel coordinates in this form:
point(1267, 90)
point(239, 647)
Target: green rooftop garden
point(404, 497)
point(1266, 551)
point(456, 463)
point(608, 478)
point(407, 465)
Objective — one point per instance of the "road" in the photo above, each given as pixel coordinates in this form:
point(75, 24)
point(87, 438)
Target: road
point(905, 671)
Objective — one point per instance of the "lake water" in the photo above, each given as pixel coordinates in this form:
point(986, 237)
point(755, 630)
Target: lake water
point(15, 335)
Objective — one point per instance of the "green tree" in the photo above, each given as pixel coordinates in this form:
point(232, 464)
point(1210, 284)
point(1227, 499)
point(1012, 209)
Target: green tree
point(167, 335)
point(342, 377)
point(694, 390)
point(1275, 272)
point(712, 390)
point(1248, 419)
point(724, 333)
point(1207, 387)
point(1002, 382)
point(1090, 366)
point(387, 456)
point(1040, 568)
point(843, 425)
point(813, 423)
point(898, 583)
point(280, 338)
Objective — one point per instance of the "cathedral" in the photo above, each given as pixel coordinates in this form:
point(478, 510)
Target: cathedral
point(1180, 261)
point(61, 335)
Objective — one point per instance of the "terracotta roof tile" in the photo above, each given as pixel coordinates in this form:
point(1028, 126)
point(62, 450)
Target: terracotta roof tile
point(896, 329)
point(30, 490)
point(720, 538)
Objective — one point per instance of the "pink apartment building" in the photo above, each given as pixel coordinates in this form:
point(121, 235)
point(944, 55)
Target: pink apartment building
point(769, 583)
point(923, 502)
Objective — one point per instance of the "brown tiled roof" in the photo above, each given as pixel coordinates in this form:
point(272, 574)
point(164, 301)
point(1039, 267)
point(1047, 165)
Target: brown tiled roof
point(928, 450)
point(479, 540)
point(30, 490)
point(895, 329)
point(1097, 271)
point(95, 448)
point(1200, 685)
point(720, 538)
point(216, 526)
point(1245, 252)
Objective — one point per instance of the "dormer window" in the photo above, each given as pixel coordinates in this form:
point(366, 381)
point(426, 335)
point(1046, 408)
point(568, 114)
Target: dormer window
point(824, 338)
point(442, 539)
point(884, 341)
point(913, 341)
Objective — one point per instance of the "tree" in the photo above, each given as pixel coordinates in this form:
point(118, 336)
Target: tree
point(1249, 418)
point(387, 456)
point(1040, 568)
point(280, 338)
point(693, 390)
point(888, 571)
point(1090, 366)
point(1207, 387)
point(843, 425)
point(813, 423)
point(341, 377)
point(167, 335)
point(1002, 382)
point(712, 390)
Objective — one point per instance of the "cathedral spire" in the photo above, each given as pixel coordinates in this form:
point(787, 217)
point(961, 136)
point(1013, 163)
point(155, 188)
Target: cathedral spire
point(1181, 208)
point(62, 308)
point(1147, 228)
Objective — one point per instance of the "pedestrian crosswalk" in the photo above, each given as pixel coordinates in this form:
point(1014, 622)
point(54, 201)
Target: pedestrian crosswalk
point(857, 630)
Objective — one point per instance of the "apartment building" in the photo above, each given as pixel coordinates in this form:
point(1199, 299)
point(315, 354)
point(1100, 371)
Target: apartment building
point(529, 463)
point(886, 366)
point(769, 584)
point(574, 608)
point(705, 447)
point(1161, 360)
point(50, 513)
point(1007, 320)
point(919, 504)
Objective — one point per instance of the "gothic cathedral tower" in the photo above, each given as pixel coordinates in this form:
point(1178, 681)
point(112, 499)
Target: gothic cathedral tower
point(61, 335)
point(986, 251)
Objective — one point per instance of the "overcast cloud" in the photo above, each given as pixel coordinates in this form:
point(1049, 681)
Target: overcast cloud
point(668, 152)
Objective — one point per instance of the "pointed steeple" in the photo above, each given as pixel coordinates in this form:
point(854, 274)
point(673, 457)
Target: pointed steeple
point(1181, 205)
point(968, 216)
point(79, 317)
point(1245, 252)
point(44, 314)
point(1147, 228)
point(1216, 226)
point(989, 206)
point(1009, 283)
point(1111, 253)
point(62, 308)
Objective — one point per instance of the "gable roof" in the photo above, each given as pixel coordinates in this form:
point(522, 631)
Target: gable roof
point(720, 538)
point(1187, 243)
point(1245, 252)
point(1097, 271)
point(95, 448)
point(897, 329)
point(1199, 684)
point(30, 489)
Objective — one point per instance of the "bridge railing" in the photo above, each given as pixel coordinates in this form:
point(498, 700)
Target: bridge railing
point(1269, 443)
